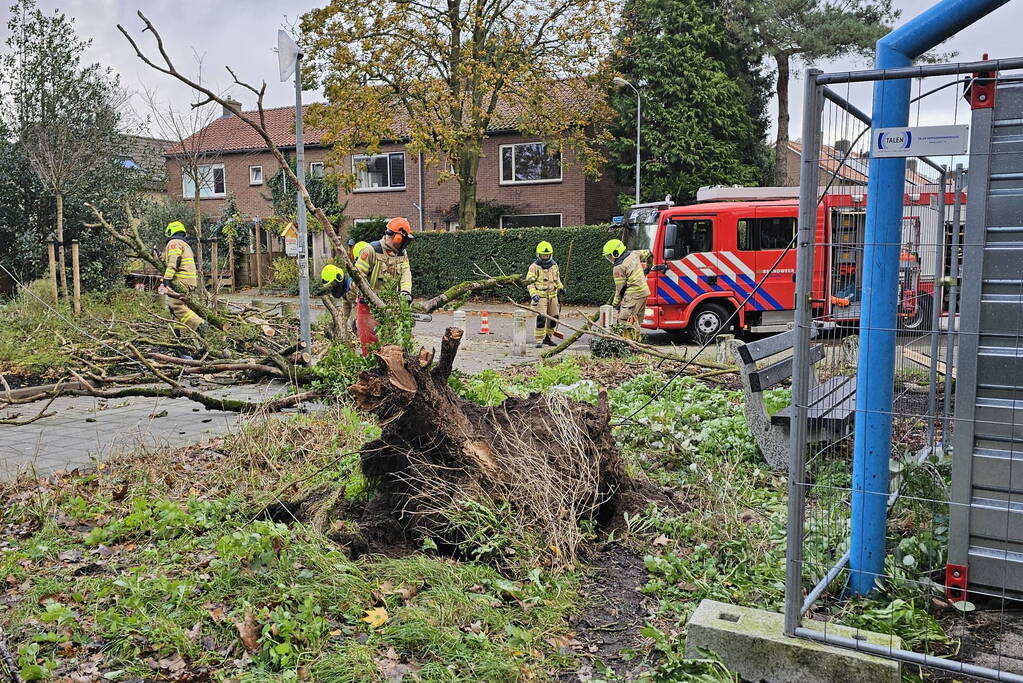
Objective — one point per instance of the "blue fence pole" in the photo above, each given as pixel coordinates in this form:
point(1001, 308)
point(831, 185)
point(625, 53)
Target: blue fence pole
point(874, 381)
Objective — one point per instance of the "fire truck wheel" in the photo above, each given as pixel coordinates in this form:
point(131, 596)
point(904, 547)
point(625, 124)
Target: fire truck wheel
point(920, 321)
point(707, 321)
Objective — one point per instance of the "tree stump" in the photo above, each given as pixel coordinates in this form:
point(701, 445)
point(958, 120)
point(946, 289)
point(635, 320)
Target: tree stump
point(548, 459)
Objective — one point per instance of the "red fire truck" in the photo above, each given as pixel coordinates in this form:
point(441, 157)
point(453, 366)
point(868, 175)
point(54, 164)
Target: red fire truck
point(709, 257)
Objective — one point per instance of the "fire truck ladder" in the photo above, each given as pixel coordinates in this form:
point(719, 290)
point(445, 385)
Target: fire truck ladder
point(986, 515)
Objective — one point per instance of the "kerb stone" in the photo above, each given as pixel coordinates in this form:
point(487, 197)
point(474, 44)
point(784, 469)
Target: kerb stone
point(752, 643)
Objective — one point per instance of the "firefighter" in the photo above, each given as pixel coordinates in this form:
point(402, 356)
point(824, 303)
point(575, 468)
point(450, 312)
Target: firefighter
point(631, 289)
point(179, 267)
point(543, 279)
point(380, 262)
point(339, 286)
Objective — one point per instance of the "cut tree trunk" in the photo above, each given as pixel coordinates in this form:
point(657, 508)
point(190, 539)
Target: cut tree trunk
point(548, 460)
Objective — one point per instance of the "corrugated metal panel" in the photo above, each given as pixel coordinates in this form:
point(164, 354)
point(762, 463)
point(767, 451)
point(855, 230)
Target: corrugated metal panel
point(987, 487)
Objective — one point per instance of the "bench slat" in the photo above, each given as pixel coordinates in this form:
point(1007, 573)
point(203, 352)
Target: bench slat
point(763, 348)
point(832, 405)
point(776, 373)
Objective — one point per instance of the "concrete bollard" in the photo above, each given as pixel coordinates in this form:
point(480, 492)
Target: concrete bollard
point(724, 348)
point(606, 319)
point(519, 332)
point(460, 319)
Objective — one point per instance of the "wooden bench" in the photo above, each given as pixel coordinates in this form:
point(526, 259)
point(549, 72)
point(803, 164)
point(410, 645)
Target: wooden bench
point(831, 406)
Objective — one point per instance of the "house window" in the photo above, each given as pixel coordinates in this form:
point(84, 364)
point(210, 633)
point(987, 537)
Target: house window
point(529, 162)
point(255, 175)
point(316, 169)
point(379, 172)
point(211, 182)
point(536, 220)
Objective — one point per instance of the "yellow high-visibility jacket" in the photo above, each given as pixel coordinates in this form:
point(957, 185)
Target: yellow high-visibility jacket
point(180, 263)
point(630, 280)
point(544, 279)
point(378, 264)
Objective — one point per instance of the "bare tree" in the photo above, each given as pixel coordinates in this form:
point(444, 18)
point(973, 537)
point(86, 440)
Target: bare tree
point(188, 130)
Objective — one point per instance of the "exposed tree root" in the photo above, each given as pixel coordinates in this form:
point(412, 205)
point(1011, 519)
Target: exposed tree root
point(547, 462)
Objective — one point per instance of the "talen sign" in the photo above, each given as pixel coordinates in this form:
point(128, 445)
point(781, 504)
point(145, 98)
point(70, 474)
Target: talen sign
point(920, 141)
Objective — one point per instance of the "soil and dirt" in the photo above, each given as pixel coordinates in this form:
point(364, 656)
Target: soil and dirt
point(615, 610)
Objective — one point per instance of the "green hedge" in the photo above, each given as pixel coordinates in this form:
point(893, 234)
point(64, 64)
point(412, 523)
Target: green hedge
point(442, 259)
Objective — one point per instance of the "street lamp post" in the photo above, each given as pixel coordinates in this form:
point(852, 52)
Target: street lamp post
point(621, 82)
point(290, 57)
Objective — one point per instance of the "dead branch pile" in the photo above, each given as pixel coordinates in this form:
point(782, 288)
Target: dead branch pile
point(548, 460)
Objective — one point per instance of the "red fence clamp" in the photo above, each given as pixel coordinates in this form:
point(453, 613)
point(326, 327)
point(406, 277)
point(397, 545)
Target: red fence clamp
point(981, 90)
point(955, 582)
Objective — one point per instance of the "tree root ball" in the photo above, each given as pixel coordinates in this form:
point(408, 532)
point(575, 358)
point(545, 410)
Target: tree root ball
point(531, 468)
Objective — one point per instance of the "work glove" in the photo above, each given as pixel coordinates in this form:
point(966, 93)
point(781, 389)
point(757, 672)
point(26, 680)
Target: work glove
point(407, 297)
point(536, 299)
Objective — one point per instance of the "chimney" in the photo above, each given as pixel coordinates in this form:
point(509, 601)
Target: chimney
point(227, 112)
point(842, 146)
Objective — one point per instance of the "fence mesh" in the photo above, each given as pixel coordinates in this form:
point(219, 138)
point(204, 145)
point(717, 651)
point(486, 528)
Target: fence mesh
point(911, 604)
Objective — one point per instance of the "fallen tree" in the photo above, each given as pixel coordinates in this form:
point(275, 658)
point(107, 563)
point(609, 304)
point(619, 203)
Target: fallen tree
point(547, 461)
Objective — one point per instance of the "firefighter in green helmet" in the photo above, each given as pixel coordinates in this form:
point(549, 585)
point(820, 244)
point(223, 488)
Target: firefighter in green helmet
point(628, 268)
point(543, 279)
point(179, 268)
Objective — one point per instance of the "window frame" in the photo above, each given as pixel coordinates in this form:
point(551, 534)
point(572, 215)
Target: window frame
point(561, 219)
point(755, 228)
point(323, 170)
point(360, 158)
point(543, 181)
point(212, 195)
point(261, 176)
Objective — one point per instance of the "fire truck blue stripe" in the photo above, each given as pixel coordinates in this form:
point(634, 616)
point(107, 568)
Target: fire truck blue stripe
point(661, 292)
point(762, 293)
point(674, 286)
point(741, 292)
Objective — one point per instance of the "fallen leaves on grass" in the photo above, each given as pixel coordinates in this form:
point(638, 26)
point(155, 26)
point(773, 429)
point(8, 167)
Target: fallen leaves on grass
point(391, 667)
point(376, 617)
point(249, 632)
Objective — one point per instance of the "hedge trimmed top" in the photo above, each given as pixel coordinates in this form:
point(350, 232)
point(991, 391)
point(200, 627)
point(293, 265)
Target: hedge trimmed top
point(443, 259)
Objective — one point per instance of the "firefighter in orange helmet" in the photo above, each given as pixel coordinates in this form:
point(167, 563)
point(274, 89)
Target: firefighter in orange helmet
point(383, 262)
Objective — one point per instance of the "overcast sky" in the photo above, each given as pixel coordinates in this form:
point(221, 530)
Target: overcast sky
point(243, 33)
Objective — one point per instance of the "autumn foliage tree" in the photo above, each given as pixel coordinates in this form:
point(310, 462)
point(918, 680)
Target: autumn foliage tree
point(442, 74)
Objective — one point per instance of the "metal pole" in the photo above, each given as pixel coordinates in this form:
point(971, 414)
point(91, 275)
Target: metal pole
point(936, 299)
point(805, 243)
point(908, 656)
point(953, 304)
point(639, 108)
point(304, 333)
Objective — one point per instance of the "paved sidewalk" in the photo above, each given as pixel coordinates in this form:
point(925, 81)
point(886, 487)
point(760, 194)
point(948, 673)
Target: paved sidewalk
point(86, 429)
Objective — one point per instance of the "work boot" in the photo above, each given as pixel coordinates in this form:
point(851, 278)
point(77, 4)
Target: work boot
point(548, 341)
point(539, 345)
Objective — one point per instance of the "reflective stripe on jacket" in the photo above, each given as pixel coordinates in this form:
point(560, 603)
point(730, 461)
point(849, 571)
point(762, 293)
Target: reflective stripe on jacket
point(379, 264)
point(630, 280)
point(544, 282)
point(179, 262)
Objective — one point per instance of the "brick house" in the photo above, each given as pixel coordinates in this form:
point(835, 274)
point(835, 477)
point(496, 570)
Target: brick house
point(852, 173)
point(543, 188)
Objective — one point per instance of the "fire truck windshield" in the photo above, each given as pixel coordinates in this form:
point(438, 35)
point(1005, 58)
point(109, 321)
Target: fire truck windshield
point(641, 228)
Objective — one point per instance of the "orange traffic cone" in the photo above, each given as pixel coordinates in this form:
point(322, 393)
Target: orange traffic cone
point(485, 324)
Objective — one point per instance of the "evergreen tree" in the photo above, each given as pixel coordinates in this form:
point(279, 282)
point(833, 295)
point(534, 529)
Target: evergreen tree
point(704, 101)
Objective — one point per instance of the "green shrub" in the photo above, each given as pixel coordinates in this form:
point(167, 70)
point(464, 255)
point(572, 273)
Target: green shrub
point(442, 259)
point(285, 275)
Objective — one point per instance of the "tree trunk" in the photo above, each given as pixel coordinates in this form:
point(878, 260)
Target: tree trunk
point(550, 461)
point(781, 148)
point(60, 247)
point(199, 270)
point(469, 167)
